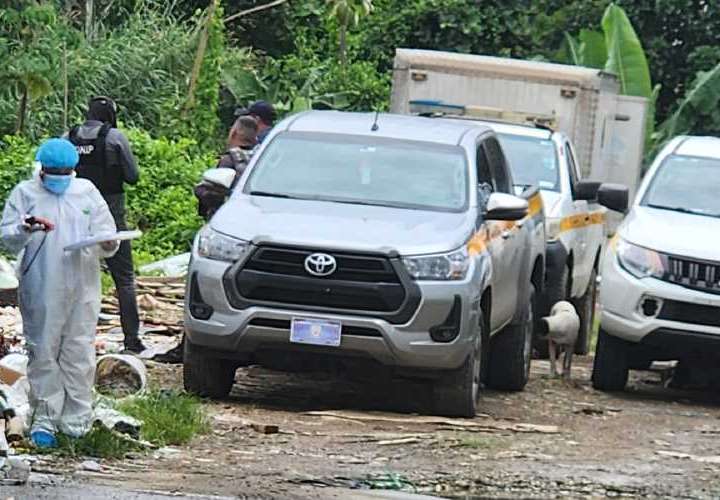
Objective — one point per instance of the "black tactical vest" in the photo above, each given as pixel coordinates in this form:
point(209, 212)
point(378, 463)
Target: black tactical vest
point(93, 163)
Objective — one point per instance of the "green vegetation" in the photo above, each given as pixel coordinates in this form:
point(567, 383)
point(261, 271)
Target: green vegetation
point(169, 417)
point(179, 69)
point(99, 442)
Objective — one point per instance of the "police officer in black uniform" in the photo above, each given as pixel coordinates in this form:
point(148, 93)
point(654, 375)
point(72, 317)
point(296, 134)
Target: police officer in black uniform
point(107, 160)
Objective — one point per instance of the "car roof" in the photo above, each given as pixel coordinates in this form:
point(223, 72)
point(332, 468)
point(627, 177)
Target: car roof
point(707, 147)
point(403, 127)
point(521, 130)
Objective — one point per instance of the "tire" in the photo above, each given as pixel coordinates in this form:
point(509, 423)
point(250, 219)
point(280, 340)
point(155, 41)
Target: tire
point(457, 392)
point(205, 376)
point(555, 291)
point(610, 368)
point(511, 352)
point(585, 306)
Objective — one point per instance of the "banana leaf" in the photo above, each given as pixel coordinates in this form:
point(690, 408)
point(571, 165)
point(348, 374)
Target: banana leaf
point(593, 50)
point(626, 57)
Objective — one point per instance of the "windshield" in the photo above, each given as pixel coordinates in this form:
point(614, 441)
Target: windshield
point(532, 160)
point(686, 184)
point(362, 170)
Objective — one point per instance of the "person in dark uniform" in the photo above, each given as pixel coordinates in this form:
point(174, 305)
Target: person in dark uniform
point(264, 114)
point(106, 159)
point(242, 142)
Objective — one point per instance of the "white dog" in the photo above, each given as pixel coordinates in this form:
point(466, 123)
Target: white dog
point(563, 326)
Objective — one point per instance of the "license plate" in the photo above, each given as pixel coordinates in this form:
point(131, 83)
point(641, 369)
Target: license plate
point(315, 332)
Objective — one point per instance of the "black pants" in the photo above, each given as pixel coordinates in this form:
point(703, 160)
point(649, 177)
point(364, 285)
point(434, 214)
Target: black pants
point(121, 268)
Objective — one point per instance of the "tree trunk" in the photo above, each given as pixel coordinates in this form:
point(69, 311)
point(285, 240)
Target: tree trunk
point(22, 111)
point(199, 56)
point(342, 42)
point(89, 21)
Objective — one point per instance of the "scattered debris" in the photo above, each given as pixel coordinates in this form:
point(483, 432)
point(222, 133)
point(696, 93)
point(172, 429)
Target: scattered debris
point(120, 375)
point(117, 421)
point(91, 466)
point(14, 472)
point(469, 425)
point(175, 266)
point(709, 459)
point(265, 428)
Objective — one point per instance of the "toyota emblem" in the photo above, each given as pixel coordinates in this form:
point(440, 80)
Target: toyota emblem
point(320, 264)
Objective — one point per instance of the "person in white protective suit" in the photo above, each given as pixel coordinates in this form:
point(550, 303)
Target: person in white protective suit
point(59, 290)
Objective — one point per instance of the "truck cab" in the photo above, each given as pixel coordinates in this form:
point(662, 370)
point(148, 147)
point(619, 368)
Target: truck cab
point(391, 241)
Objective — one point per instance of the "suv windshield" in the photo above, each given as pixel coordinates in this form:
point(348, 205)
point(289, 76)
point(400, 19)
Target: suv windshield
point(686, 184)
point(362, 170)
point(533, 161)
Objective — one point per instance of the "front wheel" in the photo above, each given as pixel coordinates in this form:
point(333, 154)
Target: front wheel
point(457, 392)
point(611, 367)
point(585, 306)
point(511, 351)
point(205, 376)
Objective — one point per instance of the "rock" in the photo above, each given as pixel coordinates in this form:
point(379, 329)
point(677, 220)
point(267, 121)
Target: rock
point(91, 466)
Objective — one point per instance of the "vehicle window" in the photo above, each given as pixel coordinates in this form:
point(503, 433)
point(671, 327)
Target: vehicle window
point(498, 168)
point(686, 184)
point(533, 161)
point(362, 170)
point(483, 168)
point(572, 167)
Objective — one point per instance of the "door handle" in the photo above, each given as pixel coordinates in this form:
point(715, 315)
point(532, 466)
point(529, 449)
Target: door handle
point(505, 234)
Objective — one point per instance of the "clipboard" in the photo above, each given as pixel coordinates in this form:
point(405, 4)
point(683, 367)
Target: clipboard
point(95, 240)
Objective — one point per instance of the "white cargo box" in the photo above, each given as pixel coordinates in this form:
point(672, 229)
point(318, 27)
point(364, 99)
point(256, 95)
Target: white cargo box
point(607, 129)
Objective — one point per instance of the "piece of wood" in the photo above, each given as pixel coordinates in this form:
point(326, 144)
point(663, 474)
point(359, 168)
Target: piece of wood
point(247, 12)
point(265, 428)
point(453, 424)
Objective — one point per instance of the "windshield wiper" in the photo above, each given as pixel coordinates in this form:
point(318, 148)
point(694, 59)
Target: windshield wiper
point(271, 195)
point(682, 210)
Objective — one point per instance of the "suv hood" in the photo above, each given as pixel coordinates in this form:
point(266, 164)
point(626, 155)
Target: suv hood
point(342, 226)
point(675, 233)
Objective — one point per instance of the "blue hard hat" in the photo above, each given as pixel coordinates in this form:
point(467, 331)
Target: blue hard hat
point(57, 153)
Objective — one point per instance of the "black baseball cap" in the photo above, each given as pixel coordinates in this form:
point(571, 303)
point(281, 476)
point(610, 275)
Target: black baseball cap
point(262, 109)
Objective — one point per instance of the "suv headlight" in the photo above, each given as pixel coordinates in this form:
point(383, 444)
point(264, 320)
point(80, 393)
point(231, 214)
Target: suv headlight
point(218, 246)
point(640, 262)
point(553, 227)
point(439, 267)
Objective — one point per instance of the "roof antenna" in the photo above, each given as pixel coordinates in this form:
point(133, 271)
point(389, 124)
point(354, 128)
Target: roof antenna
point(375, 127)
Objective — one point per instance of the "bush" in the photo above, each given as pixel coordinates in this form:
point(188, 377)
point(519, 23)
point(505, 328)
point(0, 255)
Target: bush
point(16, 158)
point(162, 203)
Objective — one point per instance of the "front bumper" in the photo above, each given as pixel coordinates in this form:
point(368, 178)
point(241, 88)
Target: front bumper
point(240, 333)
point(626, 310)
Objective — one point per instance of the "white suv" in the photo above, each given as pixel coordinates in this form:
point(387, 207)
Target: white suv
point(660, 294)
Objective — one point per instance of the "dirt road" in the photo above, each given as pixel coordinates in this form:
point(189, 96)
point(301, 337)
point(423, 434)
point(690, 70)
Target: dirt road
point(650, 442)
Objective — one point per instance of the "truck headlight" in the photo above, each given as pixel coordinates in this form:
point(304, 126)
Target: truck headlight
point(439, 267)
point(552, 228)
point(218, 246)
point(640, 262)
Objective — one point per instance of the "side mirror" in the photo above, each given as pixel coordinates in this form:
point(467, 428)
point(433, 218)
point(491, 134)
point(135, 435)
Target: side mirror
point(501, 206)
point(221, 176)
point(587, 190)
point(614, 196)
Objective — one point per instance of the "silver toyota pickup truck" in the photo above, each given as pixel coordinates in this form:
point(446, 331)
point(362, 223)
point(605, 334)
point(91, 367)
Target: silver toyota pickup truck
point(392, 240)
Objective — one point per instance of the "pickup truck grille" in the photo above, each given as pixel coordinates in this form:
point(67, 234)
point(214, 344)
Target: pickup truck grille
point(365, 283)
point(686, 312)
point(695, 274)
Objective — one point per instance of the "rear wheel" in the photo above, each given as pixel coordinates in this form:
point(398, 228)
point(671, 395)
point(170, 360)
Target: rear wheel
point(457, 392)
point(206, 376)
point(610, 369)
point(511, 352)
point(585, 306)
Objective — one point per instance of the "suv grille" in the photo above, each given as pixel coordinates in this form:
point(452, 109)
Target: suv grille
point(699, 275)
point(360, 283)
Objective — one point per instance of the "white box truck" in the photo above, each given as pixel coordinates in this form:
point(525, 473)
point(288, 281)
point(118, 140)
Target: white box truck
point(573, 124)
point(607, 129)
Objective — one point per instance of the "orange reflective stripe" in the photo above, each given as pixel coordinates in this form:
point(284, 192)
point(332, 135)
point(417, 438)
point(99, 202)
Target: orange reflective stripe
point(580, 221)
